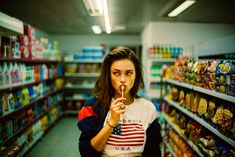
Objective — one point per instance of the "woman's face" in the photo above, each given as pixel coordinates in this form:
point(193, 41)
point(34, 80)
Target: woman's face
point(122, 74)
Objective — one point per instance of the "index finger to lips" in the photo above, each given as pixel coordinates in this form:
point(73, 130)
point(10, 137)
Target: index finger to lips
point(117, 104)
point(119, 100)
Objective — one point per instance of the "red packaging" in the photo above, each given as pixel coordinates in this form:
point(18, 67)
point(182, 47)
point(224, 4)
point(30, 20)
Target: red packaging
point(30, 32)
point(32, 51)
point(23, 40)
point(24, 51)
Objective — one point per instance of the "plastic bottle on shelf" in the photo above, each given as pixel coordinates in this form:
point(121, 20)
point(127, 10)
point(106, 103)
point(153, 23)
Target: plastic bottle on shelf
point(17, 73)
point(36, 73)
point(1, 77)
point(6, 75)
point(11, 102)
point(11, 74)
point(5, 106)
point(23, 73)
point(44, 71)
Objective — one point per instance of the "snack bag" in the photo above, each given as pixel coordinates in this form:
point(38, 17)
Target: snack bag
point(218, 118)
point(210, 111)
point(202, 107)
point(194, 105)
point(228, 117)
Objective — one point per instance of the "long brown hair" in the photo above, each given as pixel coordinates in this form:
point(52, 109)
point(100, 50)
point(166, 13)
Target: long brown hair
point(104, 90)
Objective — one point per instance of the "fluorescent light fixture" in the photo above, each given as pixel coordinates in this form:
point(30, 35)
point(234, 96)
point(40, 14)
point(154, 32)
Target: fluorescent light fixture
point(186, 4)
point(99, 4)
point(96, 29)
point(94, 7)
point(106, 17)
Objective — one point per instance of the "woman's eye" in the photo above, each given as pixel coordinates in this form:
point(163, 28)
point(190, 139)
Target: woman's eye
point(116, 73)
point(129, 73)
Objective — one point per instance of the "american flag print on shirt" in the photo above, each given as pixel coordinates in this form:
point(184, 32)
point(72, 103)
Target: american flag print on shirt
point(128, 134)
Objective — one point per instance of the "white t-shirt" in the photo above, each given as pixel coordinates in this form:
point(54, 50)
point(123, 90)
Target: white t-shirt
point(129, 135)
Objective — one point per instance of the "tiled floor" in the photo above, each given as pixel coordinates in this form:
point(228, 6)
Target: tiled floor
point(60, 141)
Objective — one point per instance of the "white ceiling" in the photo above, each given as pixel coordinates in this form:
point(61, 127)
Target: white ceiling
point(70, 16)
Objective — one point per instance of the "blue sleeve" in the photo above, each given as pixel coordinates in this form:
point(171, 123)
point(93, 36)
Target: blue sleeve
point(89, 126)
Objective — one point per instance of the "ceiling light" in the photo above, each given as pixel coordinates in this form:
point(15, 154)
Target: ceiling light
point(106, 17)
point(96, 29)
point(186, 4)
point(94, 7)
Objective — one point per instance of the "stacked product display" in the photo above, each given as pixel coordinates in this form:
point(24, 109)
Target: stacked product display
point(165, 51)
point(159, 57)
point(81, 72)
point(199, 105)
point(30, 87)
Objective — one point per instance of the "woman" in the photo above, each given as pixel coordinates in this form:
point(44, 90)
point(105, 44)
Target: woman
point(117, 122)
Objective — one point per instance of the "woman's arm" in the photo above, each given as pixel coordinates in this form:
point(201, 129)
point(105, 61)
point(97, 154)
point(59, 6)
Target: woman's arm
point(116, 109)
point(99, 141)
point(94, 135)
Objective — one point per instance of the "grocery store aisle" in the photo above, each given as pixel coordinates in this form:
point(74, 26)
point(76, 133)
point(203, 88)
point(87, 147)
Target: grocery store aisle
point(60, 141)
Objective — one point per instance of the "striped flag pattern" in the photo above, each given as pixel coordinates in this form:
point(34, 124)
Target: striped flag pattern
point(128, 134)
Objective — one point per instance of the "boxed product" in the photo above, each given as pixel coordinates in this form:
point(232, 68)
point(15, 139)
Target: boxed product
point(231, 90)
point(210, 75)
point(225, 73)
point(222, 89)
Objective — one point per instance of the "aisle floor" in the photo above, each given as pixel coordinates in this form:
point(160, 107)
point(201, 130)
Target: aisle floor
point(60, 141)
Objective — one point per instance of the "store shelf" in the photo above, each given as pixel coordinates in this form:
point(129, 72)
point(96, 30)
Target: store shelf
point(21, 60)
point(10, 25)
point(84, 61)
point(200, 121)
point(178, 83)
point(177, 129)
point(22, 154)
point(7, 116)
point(76, 99)
point(71, 112)
point(162, 60)
point(30, 146)
point(202, 90)
point(170, 149)
point(82, 74)
point(215, 94)
point(155, 79)
point(20, 85)
point(87, 86)
point(19, 132)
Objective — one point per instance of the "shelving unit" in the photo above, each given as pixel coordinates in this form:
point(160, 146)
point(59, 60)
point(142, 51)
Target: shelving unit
point(9, 115)
point(154, 80)
point(20, 85)
point(80, 75)
point(83, 60)
point(25, 108)
point(205, 51)
point(23, 60)
point(201, 90)
point(170, 149)
point(200, 121)
point(10, 25)
point(177, 129)
point(32, 99)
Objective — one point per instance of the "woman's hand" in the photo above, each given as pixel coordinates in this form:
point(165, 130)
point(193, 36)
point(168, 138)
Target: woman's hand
point(116, 109)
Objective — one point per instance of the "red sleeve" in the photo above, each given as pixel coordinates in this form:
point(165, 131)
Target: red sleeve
point(86, 111)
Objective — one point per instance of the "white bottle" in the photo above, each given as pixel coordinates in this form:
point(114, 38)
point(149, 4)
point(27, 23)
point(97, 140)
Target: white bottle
point(23, 73)
point(17, 72)
point(11, 74)
point(6, 75)
point(1, 77)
